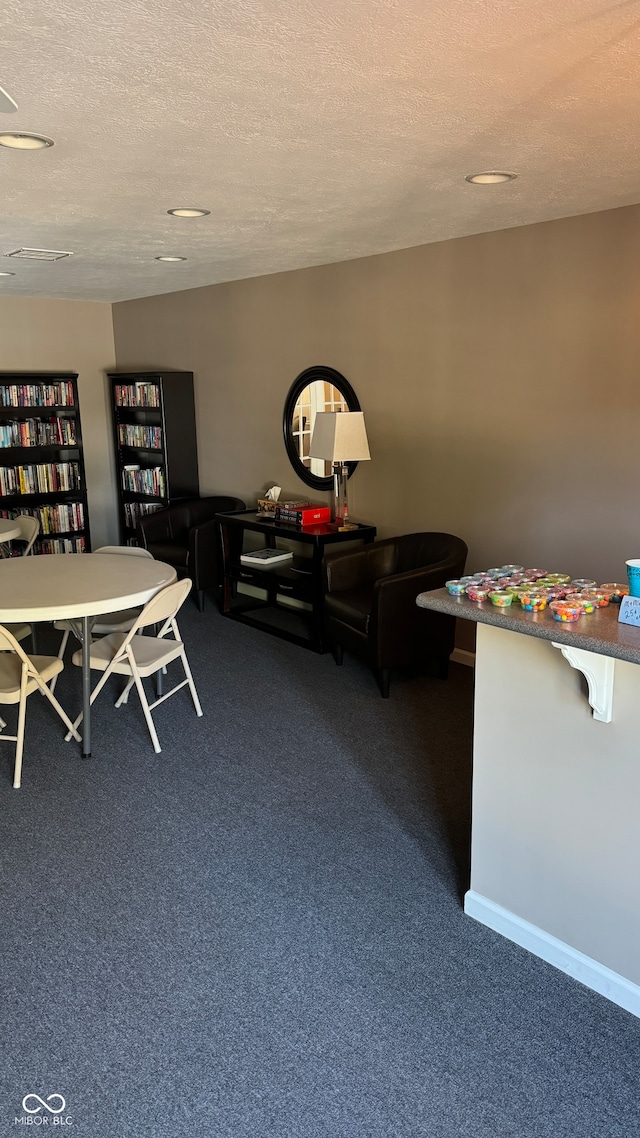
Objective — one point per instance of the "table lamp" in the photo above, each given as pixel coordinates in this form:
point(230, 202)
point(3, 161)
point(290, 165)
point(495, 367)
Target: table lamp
point(340, 437)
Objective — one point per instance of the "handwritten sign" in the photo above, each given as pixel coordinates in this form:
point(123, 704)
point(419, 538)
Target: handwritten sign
point(630, 611)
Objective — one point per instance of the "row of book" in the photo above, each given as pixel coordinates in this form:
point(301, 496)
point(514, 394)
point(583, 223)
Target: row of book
point(137, 395)
point(133, 511)
point(66, 517)
point(149, 438)
point(63, 545)
point(42, 478)
point(36, 394)
point(38, 432)
point(150, 480)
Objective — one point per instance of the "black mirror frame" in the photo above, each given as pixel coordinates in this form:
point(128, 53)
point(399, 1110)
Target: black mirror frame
point(310, 375)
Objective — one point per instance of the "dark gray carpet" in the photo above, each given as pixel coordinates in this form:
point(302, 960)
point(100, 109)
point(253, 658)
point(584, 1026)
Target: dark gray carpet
point(259, 932)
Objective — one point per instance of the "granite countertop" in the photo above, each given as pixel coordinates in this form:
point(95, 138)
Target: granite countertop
point(597, 632)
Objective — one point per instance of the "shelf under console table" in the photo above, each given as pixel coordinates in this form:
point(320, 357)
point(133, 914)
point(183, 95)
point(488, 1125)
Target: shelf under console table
point(300, 579)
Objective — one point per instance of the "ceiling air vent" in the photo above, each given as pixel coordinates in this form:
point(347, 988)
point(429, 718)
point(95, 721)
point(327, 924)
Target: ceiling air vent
point(39, 254)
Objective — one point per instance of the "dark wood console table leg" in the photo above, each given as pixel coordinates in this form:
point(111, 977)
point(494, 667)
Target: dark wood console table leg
point(229, 542)
point(317, 577)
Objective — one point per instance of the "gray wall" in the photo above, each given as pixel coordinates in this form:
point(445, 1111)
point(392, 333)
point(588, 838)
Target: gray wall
point(57, 335)
point(498, 375)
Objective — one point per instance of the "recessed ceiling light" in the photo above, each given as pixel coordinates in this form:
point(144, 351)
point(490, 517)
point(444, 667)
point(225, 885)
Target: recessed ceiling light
point(490, 178)
point(189, 211)
point(171, 258)
point(7, 274)
point(22, 140)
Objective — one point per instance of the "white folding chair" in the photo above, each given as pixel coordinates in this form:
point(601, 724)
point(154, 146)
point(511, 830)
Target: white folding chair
point(29, 530)
point(110, 621)
point(20, 675)
point(130, 550)
point(137, 657)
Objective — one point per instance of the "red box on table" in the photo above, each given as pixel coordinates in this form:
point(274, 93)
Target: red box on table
point(303, 515)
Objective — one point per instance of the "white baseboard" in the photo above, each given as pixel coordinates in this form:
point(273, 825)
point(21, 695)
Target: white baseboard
point(583, 968)
point(462, 656)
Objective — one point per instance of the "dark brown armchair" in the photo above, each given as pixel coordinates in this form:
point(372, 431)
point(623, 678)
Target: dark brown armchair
point(370, 602)
point(186, 536)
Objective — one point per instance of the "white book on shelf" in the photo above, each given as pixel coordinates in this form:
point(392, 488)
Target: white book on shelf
point(265, 557)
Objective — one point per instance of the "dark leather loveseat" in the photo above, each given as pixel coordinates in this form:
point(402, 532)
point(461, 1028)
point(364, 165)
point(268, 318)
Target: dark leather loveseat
point(186, 536)
point(370, 602)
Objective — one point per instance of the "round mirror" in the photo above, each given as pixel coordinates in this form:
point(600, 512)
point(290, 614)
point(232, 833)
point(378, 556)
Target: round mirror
point(316, 389)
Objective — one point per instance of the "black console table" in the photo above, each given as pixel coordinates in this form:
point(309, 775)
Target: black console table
point(302, 578)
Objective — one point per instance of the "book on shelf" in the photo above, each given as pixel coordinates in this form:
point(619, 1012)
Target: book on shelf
point(64, 517)
point(41, 478)
point(63, 545)
point(133, 511)
point(36, 394)
point(143, 438)
point(148, 480)
point(139, 394)
point(264, 557)
point(37, 433)
point(303, 515)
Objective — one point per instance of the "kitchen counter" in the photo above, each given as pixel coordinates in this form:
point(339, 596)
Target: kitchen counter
point(555, 840)
point(597, 632)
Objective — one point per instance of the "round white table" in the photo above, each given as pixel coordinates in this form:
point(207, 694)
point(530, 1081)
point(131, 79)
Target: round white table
point(8, 530)
point(79, 587)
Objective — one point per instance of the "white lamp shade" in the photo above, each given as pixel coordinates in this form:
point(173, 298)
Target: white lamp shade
point(339, 436)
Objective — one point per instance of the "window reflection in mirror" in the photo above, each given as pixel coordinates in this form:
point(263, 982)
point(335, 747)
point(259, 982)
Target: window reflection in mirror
point(318, 388)
point(321, 395)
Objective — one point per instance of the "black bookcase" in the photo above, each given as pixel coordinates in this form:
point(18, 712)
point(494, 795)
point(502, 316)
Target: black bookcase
point(41, 458)
point(154, 430)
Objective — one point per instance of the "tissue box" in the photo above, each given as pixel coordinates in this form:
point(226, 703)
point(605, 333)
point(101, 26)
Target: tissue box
point(267, 507)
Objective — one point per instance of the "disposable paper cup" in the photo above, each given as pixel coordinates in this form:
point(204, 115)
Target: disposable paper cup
point(633, 576)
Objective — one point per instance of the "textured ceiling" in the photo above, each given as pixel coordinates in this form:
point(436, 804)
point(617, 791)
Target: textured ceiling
point(313, 131)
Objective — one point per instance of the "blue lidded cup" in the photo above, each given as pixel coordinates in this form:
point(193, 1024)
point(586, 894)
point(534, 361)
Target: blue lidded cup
point(633, 577)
